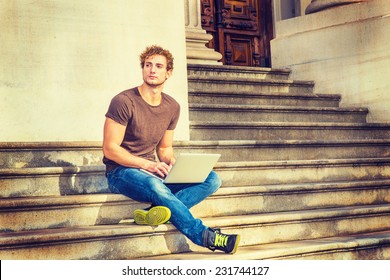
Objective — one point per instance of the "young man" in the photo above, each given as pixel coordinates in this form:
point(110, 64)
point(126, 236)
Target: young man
point(139, 124)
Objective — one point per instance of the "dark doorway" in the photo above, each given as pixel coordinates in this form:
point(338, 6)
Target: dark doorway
point(241, 29)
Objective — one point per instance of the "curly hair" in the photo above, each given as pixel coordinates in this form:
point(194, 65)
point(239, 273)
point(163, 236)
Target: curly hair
point(156, 50)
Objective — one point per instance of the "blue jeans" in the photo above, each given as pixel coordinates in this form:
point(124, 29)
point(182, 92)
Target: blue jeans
point(179, 198)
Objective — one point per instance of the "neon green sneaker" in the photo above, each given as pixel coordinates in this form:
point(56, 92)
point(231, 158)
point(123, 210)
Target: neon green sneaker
point(155, 216)
point(215, 240)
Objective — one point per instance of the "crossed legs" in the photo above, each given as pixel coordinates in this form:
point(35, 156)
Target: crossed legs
point(179, 198)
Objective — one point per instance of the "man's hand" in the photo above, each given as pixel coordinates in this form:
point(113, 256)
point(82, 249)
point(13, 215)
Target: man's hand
point(160, 168)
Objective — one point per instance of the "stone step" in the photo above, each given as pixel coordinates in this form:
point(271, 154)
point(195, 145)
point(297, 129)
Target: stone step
point(56, 181)
point(122, 241)
point(59, 154)
point(214, 130)
point(234, 72)
point(48, 181)
point(206, 96)
point(248, 113)
point(277, 227)
point(49, 154)
point(246, 150)
point(33, 213)
point(302, 171)
point(246, 200)
point(224, 84)
point(363, 246)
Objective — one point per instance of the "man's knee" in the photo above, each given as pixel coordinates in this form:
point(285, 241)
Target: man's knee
point(214, 181)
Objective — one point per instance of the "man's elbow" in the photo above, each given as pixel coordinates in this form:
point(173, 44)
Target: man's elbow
point(108, 150)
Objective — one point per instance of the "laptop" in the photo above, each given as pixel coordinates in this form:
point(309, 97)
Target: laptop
point(189, 168)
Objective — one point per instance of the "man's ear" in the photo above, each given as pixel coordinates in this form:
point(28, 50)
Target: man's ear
point(169, 74)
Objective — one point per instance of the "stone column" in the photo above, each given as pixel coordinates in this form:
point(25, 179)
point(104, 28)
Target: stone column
point(319, 5)
point(196, 37)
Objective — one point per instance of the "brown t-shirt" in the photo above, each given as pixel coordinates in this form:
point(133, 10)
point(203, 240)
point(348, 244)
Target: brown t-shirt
point(145, 124)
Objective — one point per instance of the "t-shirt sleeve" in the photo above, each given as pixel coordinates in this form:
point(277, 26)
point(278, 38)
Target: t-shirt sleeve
point(175, 118)
point(119, 110)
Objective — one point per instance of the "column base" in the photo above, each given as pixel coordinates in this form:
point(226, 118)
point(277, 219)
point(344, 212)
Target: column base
point(197, 52)
point(319, 5)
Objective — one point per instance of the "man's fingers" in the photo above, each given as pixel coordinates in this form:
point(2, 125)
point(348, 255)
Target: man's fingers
point(162, 169)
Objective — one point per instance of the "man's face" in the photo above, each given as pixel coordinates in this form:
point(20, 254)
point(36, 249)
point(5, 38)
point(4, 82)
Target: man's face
point(155, 70)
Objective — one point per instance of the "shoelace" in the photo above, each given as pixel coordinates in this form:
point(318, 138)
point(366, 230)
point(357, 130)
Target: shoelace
point(220, 240)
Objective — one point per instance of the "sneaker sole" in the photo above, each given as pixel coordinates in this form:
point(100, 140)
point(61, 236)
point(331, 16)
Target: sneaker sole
point(155, 216)
point(236, 244)
point(158, 215)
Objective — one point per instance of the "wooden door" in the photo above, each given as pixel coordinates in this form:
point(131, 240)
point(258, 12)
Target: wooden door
point(241, 29)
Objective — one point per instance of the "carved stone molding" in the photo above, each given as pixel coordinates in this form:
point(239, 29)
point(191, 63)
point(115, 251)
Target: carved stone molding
point(196, 37)
point(319, 5)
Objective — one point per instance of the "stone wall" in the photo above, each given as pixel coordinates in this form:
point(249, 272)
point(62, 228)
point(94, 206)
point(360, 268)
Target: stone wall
point(62, 61)
point(345, 50)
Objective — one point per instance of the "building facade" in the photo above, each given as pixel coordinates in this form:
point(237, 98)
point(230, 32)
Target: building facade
point(62, 61)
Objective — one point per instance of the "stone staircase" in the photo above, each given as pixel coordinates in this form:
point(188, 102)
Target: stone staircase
point(302, 179)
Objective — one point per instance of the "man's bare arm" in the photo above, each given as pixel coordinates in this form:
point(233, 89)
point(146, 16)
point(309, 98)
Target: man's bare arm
point(113, 137)
point(165, 148)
